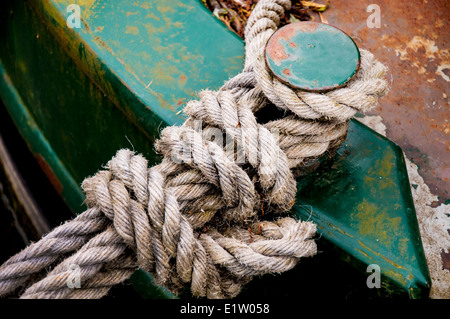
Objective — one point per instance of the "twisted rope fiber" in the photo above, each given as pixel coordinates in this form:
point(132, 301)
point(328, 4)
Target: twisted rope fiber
point(186, 220)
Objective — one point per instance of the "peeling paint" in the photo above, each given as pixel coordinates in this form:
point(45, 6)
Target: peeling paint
point(440, 71)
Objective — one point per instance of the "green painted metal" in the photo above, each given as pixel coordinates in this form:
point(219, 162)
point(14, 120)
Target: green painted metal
point(365, 206)
point(79, 95)
point(312, 56)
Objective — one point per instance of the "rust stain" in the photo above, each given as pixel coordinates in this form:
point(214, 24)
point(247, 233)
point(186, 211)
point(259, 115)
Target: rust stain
point(305, 26)
point(180, 101)
point(274, 49)
point(48, 171)
point(276, 53)
point(287, 72)
point(86, 26)
point(104, 45)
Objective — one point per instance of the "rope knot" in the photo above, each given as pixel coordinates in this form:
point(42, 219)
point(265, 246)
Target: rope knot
point(147, 215)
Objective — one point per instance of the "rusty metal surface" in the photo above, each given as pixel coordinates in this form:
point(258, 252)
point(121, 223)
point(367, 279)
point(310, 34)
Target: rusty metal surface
point(413, 42)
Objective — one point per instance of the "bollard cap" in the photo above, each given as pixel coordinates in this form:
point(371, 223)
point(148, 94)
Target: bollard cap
point(312, 56)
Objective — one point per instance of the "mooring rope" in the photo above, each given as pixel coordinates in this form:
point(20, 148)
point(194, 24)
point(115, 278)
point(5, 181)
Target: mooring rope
point(195, 218)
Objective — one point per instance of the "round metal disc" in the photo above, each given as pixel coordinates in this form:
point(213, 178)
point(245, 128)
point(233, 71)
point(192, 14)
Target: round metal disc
point(312, 56)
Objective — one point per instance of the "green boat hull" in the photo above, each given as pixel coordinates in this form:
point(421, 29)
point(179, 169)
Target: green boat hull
point(77, 95)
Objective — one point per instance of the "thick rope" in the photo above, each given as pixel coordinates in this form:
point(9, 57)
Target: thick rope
point(196, 217)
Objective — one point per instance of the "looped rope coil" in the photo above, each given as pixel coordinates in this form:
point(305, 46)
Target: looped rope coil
point(193, 219)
